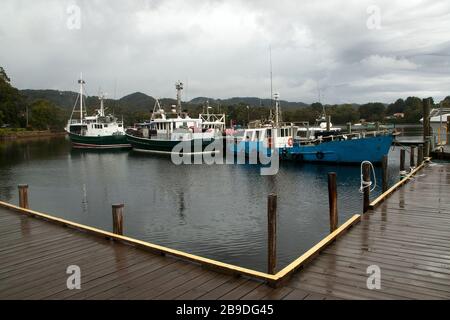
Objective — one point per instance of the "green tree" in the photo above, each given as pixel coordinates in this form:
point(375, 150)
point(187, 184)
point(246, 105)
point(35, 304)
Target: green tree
point(44, 115)
point(4, 76)
point(396, 107)
point(12, 104)
point(373, 111)
point(446, 102)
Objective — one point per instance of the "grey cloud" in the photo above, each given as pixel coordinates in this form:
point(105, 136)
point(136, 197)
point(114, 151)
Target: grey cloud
point(220, 48)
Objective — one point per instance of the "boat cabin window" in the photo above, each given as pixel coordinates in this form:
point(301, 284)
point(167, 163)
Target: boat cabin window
point(77, 128)
point(106, 126)
point(257, 135)
point(301, 134)
point(285, 132)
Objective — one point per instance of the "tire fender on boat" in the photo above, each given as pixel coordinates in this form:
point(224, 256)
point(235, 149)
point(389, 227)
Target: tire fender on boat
point(290, 142)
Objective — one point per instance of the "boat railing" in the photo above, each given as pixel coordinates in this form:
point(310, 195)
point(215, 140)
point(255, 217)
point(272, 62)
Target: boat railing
point(346, 136)
point(212, 117)
point(75, 121)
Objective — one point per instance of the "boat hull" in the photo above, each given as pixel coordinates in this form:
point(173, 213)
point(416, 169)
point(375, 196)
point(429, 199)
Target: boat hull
point(168, 146)
point(343, 151)
point(99, 142)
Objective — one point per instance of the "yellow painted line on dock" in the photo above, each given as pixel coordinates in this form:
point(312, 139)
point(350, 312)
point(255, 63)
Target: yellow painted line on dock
point(228, 268)
point(304, 258)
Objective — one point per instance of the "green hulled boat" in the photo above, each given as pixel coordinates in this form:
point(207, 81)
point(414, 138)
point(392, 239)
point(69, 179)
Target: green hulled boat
point(175, 131)
point(99, 142)
point(99, 131)
point(155, 145)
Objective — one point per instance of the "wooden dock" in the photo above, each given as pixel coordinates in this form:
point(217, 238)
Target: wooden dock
point(407, 236)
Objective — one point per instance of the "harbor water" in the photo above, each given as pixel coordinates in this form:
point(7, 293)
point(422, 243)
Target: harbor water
point(215, 211)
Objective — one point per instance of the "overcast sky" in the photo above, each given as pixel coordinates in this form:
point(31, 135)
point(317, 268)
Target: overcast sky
point(354, 51)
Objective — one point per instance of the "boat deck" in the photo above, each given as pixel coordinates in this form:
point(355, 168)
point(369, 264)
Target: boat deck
point(407, 237)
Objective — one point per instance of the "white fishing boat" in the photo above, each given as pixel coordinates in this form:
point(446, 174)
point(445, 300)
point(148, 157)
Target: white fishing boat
point(166, 130)
point(99, 131)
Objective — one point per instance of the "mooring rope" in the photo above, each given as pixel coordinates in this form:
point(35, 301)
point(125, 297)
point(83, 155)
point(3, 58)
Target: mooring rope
point(367, 184)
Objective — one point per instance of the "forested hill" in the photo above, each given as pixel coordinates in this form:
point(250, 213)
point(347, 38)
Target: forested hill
point(250, 101)
point(139, 101)
point(46, 109)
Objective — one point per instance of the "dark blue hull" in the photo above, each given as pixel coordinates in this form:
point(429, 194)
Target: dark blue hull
point(343, 151)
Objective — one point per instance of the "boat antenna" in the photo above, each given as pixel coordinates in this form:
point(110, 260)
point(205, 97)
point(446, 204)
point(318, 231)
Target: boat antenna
point(324, 115)
point(179, 87)
point(271, 87)
point(277, 109)
point(81, 82)
point(102, 105)
point(115, 97)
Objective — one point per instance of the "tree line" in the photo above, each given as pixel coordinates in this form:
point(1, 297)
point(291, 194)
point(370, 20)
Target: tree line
point(18, 111)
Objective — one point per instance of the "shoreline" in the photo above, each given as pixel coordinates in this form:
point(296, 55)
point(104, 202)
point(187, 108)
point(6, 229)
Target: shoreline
point(31, 134)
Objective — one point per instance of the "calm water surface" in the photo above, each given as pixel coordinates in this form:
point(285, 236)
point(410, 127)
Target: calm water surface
point(216, 211)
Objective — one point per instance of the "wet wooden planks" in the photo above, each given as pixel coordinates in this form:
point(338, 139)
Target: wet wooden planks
point(35, 254)
point(407, 236)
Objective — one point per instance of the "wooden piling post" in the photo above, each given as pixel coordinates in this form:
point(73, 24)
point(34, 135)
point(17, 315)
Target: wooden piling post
point(448, 131)
point(366, 186)
point(426, 119)
point(412, 163)
point(332, 200)
point(23, 196)
point(426, 125)
point(419, 155)
point(384, 168)
point(328, 123)
point(272, 232)
point(426, 149)
point(349, 127)
point(402, 161)
point(117, 215)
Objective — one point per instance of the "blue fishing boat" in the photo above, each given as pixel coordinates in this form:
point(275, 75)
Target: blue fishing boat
point(346, 150)
point(353, 148)
point(319, 143)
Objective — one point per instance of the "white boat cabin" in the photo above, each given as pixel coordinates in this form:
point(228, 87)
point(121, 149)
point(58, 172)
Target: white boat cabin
point(282, 137)
point(98, 125)
point(181, 127)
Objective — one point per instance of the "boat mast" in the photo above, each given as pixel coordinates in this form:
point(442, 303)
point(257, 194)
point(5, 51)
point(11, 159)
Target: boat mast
point(81, 82)
point(179, 87)
point(271, 88)
point(277, 109)
point(102, 106)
